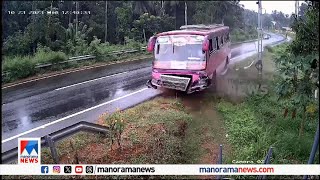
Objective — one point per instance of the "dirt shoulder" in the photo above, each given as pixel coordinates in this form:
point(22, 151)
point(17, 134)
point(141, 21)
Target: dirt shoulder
point(207, 129)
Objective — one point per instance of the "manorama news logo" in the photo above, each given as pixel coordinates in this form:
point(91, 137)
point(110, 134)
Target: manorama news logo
point(29, 150)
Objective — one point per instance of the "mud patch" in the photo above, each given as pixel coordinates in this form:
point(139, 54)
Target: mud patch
point(124, 154)
point(182, 127)
point(209, 127)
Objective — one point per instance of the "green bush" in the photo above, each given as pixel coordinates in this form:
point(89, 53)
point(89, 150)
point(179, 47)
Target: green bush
point(132, 44)
point(258, 123)
point(22, 67)
point(47, 56)
point(18, 67)
point(17, 44)
point(94, 46)
point(238, 35)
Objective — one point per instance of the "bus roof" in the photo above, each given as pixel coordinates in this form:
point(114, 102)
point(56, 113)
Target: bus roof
point(196, 30)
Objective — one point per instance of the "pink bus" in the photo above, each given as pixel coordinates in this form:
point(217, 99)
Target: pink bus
point(190, 58)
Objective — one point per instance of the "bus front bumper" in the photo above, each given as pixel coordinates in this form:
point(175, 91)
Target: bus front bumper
point(185, 85)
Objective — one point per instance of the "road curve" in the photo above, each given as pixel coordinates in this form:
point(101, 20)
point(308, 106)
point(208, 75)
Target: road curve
point(41, 107)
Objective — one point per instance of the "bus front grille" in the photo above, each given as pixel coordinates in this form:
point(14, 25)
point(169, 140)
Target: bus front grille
point(175, 82)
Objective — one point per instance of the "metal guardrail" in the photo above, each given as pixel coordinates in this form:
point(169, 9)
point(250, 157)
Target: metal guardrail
point(80, 58)
point(72, 59)
point(49, 140)
point(266, 161)
point(220, 160)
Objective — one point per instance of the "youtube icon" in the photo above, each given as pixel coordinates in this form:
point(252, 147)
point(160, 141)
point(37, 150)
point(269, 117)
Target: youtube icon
point(78, 169)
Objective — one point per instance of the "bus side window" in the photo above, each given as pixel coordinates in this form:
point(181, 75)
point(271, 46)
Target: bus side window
point(158, 48)
point(217, 43)
point(221, 40)
point(210, 46)
point(225, 38)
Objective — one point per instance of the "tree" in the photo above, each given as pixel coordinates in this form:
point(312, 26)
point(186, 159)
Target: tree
point(113, 21)
point(124, 20)
point(106, 22)
point(151, 24)
point(299, 65)
point(302, 9)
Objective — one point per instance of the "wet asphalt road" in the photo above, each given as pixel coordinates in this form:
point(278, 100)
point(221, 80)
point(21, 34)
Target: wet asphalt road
point(41, 107)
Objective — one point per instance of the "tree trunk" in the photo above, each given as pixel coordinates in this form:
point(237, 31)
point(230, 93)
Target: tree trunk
point(285, 113)
point(175, 19)
point(34, 7)
point(144, 36)
point(302, 122)
point(50, 15)
point(162, 8)
point(294, 113)
point(106, 23)
point(185, 13)
point(77, 8)
point(70, 9)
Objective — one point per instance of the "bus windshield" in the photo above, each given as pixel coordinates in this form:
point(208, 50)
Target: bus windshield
point(179, 48)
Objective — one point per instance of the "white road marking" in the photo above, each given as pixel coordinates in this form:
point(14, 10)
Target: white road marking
point(72, 115)
point(89, 81)
point(67, 72)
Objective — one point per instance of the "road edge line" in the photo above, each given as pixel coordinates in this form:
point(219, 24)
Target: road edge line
point(71, 71)
point(71, 115)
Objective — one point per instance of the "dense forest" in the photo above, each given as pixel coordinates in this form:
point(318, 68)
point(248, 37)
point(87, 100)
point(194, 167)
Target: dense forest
point(116, 22)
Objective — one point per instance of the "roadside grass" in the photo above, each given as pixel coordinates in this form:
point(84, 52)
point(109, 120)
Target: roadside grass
point(290, 34)
point(154, 133)
point(206, 130)
point(268, 64)
point(257, 123)
point(21, 67)
point(165, 130)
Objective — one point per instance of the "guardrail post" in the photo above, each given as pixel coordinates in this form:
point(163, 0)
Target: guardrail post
point(53, 149)
point(313, 150)
point(266, 161)
point(220, 160)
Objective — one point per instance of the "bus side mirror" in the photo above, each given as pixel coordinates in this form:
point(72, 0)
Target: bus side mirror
point(205, 45)
point(151, 43)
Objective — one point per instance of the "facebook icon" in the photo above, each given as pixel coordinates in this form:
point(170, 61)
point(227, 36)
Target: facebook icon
point(44, 169)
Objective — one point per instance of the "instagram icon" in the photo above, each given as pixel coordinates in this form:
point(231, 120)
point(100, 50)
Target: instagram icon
point(56, 169)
